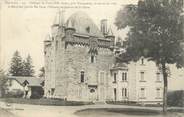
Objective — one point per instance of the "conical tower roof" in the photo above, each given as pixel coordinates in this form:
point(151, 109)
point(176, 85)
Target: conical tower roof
point(70, 25)
point(48, 37)
point(83, 24)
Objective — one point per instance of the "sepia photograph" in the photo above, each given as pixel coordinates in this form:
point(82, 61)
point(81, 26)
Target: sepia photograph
point(92, 58)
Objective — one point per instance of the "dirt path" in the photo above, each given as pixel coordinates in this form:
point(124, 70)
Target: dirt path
point(6, 113)
point(25, 110)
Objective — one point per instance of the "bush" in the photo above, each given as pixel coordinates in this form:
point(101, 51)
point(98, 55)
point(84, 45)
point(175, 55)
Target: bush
point(42, 101)
point(176, 98)
point(37, 92)
point(122, 102)
point(15, 93)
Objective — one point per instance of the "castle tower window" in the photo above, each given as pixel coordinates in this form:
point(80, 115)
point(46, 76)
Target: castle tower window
point(82, 76)
point(88, 29)
point(124, 76)
point(92, 59)
point(52, 91)
point(142, 61)
point(115, 95)
point(115, 78)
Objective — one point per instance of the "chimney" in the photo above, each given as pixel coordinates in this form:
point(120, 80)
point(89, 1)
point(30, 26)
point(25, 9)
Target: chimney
point(104, 26)
point(62, 18)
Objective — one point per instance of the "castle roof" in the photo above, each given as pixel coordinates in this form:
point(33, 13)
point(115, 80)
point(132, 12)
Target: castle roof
point(120, 66)
point(33, 81)
point(83, 24)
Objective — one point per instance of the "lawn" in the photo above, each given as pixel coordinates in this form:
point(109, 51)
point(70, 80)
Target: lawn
point(124, 112)
point(42, 101)
point(5, 113)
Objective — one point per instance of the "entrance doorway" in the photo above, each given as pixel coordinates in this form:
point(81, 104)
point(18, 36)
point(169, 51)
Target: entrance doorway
point(102, 94)
point(92, 94)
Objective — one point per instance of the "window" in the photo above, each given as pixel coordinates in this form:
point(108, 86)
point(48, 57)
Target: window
point(142, 76)
point(124, 92)
point(56, 44)
point(114, 77)
point(158, 77)
point(142, 93)
point(158, 93)
point(124, 76)
point(102, 80)
point(92, 90)
point(115, 94)
point(88, 29)
point(92, 59)
point(52, 91)
point(82, 76)
point(142, 61)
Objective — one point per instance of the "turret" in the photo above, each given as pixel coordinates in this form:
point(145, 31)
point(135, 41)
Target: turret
point(47, 43)
point(69, 30)
point(58, 23)
point(47, 40)
point(110, 35)
point(104, 26)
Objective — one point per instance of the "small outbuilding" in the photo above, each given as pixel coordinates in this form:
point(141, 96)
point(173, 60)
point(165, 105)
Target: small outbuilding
point(27, 87)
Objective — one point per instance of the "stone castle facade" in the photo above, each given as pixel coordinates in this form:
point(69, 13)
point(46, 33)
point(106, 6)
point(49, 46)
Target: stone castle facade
point(80, 65)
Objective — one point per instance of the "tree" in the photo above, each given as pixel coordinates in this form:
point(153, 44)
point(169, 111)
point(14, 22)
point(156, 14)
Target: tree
point(2, 82)
point(28, 67)
point(155, 33)
point(42, 72)
point(16, 68)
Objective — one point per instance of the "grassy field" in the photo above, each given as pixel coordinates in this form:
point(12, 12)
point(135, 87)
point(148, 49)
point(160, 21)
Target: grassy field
point(51, 102)
point(5, 113)
point(124, 112)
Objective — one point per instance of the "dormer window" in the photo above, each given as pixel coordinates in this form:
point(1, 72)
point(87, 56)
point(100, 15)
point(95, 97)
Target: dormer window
point(142, 61)
point(88, 29)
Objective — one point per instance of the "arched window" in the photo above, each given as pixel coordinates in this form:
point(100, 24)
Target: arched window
point(92, 90)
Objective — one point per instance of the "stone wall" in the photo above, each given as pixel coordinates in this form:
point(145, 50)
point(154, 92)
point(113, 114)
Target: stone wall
point(74, 59)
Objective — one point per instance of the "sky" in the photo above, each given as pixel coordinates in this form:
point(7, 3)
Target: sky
point(26, 29)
